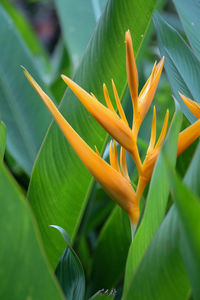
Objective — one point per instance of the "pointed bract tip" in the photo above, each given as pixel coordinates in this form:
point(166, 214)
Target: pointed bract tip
point(193, 106)
point(128, 36)
point(65, 78)
point(23, 68)
point(162, 59)
point(160, 64)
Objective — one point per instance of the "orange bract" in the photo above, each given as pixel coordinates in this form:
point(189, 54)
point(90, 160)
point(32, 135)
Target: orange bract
point(114, 178)
point(192, 105)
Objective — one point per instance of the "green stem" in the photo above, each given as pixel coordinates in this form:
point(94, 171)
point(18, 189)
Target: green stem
point(133, 229)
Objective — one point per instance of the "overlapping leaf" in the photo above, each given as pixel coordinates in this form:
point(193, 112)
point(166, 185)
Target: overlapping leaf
point(181, 64)
point(24, 272)
point(156, 204)
point(161, 274)
point(188, 207)
point(2, 139)
point(115, 238)
point(28, 34)
point(192, 175)
point(189, 12)
point(77, 23)
point(24, 115)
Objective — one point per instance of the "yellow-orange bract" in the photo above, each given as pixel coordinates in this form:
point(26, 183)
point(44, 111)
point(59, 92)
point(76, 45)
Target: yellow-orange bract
point(192, 105)
point(190, 134)
point(114, 178)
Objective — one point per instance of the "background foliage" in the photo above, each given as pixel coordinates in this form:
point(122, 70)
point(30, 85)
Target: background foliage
point(43, 182)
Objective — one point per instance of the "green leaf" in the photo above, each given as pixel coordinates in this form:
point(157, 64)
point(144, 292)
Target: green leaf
point(188, 207)
point(60, 184)
point(27, 33)
point(193, 173)
point(156, 203)
point(2, 139)
point(25, 117)
point(24, 272)
point(183, 70)
point(189, 12)
point(111, 251)
point(161, 274)
point(77, 23)
point(70, 272)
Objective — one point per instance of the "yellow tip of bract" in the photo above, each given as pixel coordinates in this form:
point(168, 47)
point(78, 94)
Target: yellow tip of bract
point(192, 105)
point(188, 136)
point(131, 69)
point(106, 117)
point(147, 94)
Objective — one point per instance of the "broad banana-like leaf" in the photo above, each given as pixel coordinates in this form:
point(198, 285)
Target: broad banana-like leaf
point(25, 272)
point(181, 64)
point(2, 139)
point(189, 12)
point(60, 184)
point(25, 117)
point(77, 23)
point(155, 207)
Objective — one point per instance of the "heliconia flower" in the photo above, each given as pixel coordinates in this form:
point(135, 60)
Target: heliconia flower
point(107, 117)
point(117, 126)
point(113, 178)
point(192, 105)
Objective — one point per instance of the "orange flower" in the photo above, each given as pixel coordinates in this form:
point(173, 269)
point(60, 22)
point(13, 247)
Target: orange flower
point(114, 179)
point(117, 126)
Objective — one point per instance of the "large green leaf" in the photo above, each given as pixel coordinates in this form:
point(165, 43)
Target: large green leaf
point(24, 271)
point(77, 23)
point(2, 139)
point(181, 65)
point(161, 274)
point(189, 12)
point(60, 184)
point(111, 252)
point(27, 33)
point(193, 173)
point(156, 203)
point(188, 207)
point(24, 115)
